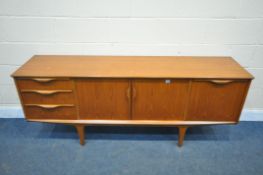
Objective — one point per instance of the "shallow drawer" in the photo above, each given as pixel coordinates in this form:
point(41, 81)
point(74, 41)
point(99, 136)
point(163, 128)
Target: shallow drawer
point(48, 96)
point(44, 83)
point(40, 111)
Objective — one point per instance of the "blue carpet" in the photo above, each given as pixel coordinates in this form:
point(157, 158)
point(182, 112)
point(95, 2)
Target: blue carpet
point(35, 148)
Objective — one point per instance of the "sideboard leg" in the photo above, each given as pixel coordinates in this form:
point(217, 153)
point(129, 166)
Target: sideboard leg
point(81, 133)
point(182, 131)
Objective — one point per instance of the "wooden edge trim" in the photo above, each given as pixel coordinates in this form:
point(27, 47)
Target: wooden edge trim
point(20, 96)
point(132, 122)
point(67, 77)
point(244, 99)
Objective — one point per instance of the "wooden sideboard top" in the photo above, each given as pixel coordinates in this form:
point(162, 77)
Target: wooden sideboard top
point(132, 67)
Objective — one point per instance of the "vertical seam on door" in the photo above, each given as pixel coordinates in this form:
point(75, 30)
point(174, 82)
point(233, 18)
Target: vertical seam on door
point(131, 98)
point(76, 98)
point(188, 98)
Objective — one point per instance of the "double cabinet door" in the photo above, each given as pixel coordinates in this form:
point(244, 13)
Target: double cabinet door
point(159, 99)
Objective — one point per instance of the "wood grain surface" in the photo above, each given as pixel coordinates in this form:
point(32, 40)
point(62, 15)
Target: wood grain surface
point(216, 102)
point(132, 67)
point(103, 98)
point(159, 99)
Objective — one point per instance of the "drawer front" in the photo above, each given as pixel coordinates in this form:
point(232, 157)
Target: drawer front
point(216, 100)
point(47, 96)
point(50, 111)
point(44, 84)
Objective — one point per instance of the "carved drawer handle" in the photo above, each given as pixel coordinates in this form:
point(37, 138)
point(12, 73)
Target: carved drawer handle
point(49, 106)
point(43, 80)
point(221, 81)
point(46, 92)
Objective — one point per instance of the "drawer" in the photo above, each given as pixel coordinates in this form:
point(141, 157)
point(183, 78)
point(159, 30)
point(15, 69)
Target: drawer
point(48, 96)
point(44, 83)
point(41, 111)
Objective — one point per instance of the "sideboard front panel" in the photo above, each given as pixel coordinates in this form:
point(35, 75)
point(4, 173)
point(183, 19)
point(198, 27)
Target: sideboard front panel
point(218, 100)
point(103, 98)
point(159, 99)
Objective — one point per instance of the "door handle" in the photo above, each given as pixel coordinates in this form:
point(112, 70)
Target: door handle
point(128, 92)
point(49, 106)
point(43, 80)
point(221, 81)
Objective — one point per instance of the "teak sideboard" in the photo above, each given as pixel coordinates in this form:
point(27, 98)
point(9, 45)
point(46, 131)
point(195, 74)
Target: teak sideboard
point(132, 90)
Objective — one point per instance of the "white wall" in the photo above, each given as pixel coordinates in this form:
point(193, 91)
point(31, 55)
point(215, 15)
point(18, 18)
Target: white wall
point(131, 27)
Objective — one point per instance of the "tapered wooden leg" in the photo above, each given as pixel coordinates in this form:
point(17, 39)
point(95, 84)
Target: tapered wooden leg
point(182, 131)
point(81, 133)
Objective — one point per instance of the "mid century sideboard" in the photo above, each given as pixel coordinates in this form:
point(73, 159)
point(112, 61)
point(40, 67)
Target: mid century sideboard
point(132, 90)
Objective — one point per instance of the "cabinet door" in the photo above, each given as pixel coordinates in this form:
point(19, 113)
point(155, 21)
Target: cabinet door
point(216, 100)
point(103, 98)
point(159, 99)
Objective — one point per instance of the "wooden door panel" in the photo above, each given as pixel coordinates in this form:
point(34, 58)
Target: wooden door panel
point(159, 99)
point(213, 101)
point(103, 98)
